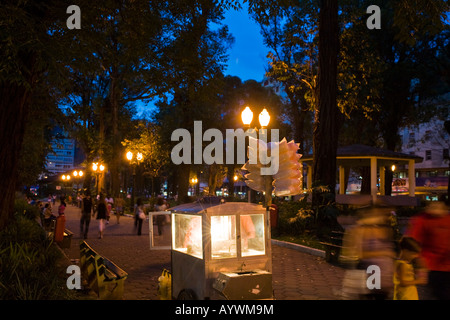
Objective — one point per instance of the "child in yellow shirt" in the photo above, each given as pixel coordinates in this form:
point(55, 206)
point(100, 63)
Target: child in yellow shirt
point(405, 279)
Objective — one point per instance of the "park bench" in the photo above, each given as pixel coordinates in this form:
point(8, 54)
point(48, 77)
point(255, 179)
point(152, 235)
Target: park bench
point(333, 246)
point(102, 275)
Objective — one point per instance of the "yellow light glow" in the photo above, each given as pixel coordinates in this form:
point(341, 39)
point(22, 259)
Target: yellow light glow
point(235, 178)
point(247, 116)
point(80, 173)
point(102, 167)
point(75, 173)
point(63, 177)
point(139, 156)
point(129, 155)
point(95, 166)
point(264, 118)
point(393, 167)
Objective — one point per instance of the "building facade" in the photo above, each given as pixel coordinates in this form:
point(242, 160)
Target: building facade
point(62, 158)
point(431, 142)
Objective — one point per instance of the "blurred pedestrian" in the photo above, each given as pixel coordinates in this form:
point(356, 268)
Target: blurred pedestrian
point(62, 206)
point(370, 243)
point(86, 211)
point(139, 215)
point(119, 203)
point(405, 278)
point(160, 219)
point(431, 229)
point(108, 211)
point(101, 215)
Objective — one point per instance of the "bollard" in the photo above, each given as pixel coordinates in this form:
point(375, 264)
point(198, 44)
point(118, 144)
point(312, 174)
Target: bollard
point(165, 285)
point(60, 227)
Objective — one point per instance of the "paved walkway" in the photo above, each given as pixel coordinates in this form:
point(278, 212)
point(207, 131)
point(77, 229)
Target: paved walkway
point(296, 275)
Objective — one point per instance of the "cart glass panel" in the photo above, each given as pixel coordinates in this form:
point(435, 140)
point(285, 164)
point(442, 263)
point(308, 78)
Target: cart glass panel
point(252, 235)
point(187, 234)
point(223, 237)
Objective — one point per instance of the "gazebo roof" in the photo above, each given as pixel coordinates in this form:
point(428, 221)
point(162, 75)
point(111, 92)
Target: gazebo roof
point(363, 151)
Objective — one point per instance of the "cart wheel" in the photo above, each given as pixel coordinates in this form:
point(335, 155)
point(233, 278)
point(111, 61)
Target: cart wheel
point(187, 294)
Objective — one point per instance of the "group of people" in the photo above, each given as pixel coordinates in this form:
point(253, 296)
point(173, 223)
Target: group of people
point(419, 267)
point(139, 214)
point(47, 210)
point(103, 207)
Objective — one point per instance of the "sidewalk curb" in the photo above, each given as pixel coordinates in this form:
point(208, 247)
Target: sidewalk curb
point(299, 247)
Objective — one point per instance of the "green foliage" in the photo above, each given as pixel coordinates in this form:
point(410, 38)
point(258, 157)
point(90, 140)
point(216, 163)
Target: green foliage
point(29, 260)
point(303, 217)
point(22, 208)
point(295, 217)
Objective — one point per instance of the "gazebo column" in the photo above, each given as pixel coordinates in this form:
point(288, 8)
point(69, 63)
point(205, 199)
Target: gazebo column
point(341, 180)
point(373, 179)
point(382, 180)
point(412, 178)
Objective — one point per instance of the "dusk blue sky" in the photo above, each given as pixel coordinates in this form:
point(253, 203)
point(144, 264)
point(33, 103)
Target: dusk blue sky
point(248, 53)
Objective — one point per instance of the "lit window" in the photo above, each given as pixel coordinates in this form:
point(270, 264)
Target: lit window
point(223, 237)
point(252, 235)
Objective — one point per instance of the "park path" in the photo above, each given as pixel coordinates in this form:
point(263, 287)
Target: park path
point(296, 275)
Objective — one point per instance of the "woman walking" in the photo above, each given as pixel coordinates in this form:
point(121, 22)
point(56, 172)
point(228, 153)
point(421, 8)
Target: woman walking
point(101, 215)
point(139, 215)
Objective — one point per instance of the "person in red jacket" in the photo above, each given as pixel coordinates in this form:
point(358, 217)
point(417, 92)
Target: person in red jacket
point(431, 229)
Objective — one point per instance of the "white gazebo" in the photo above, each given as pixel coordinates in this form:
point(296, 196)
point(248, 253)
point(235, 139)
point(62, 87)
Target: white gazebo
point(377, 159)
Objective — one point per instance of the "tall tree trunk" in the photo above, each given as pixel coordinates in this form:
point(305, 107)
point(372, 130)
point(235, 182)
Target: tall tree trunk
point(326, 126)
point(183, 182)
point(114, 166)
point(14, 104)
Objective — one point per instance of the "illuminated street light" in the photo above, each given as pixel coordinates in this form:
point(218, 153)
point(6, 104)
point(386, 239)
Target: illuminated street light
point(139, 158)
point(98, 169)
point(247, 116)
point(264, 118)
point(129, 156)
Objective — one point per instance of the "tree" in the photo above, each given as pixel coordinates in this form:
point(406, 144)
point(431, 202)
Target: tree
point(124, 44)
point(155, 154)
point(327, 119)
point(29, 54)
point(405, 64)
point(193, 63)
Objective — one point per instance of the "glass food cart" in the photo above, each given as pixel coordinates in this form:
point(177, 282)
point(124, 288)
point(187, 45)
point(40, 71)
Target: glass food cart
point(221, 251)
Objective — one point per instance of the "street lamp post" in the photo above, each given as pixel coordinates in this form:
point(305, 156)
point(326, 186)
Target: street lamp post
point(139, 158)
point(98, 169)
point(65, 179)
point(194, 182)
point(78, 175)
point(264, 119)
